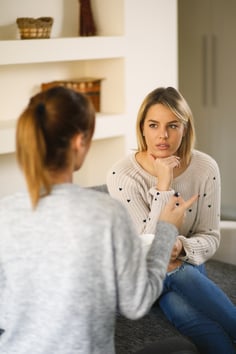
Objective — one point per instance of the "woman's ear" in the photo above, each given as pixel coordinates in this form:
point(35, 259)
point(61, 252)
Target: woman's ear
point(78, 141)
point(80, 147)
point(81, 143)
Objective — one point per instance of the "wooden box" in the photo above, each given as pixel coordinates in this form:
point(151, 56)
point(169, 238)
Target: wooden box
point(91, 87)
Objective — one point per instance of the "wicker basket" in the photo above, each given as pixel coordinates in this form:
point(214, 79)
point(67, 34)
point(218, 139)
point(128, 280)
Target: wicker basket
point(34, 28)
point(91, 87)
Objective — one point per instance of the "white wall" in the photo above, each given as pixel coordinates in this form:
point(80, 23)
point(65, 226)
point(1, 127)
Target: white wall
point(58, 9)
point(151, 32)
point(10, 176)
point(151, 61)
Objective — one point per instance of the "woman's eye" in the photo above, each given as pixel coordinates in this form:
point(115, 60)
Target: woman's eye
point(171, 126)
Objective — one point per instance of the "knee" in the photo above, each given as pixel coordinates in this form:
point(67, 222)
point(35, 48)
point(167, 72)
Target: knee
point(175, 308)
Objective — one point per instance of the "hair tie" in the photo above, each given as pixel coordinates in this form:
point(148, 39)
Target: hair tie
point(40, 110)
point(40, 114)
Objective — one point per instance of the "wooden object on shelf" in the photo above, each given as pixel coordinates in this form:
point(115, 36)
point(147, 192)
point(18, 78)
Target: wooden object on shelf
point(91, 87)
point(34, 28)
point(87, 26)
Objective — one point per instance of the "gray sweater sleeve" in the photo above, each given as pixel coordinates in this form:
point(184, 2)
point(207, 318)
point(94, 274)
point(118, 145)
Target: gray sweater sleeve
point(140, 277)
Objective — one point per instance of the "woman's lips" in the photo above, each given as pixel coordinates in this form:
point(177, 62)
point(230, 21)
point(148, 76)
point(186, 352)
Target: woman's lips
point(162, 146)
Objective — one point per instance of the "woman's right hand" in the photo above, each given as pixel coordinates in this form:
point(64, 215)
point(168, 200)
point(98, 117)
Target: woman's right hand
point(163, 168)
point(174, 210)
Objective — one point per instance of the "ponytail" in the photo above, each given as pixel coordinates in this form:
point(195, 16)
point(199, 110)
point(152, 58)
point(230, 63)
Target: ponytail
point(44, 132)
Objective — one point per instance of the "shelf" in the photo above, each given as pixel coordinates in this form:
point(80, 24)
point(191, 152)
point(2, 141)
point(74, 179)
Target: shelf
point(107, 126)
point(61, 49)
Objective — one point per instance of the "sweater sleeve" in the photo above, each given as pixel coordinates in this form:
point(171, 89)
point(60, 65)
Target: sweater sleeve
point(143, 203)
point(139, 277)
point(203, 239)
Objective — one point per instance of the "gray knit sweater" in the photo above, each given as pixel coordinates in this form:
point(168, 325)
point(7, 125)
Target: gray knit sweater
point(68, 266)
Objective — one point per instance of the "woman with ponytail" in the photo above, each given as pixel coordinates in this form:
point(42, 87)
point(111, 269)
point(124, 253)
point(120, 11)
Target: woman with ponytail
point(69, 256)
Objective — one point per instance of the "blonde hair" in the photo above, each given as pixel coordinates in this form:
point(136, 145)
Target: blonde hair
point(44, 132)
point(172, 99)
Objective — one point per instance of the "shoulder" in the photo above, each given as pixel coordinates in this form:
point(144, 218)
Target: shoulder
point(14, 201)
point(127, 168)
point(123, 170)
point(203, 161)
point(129, 176)
point(12, 207)
point(124, 164)
point(100, 200)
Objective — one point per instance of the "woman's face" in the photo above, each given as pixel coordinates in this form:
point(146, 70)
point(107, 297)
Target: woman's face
point(163, 131)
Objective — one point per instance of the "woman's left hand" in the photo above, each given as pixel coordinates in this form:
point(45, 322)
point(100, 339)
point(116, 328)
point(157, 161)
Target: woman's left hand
point(173, 265)
point(176, 251)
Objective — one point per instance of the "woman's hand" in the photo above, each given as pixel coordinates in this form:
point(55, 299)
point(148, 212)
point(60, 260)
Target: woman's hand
point(174, 210)
point(174, 213)
point(163, 168)
point(173, 265)
point(177, 250)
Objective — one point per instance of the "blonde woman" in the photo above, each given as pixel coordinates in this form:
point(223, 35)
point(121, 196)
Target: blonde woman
point(167, 162)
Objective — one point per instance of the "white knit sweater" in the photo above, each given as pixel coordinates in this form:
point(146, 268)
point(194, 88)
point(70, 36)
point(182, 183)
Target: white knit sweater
point(135, 188)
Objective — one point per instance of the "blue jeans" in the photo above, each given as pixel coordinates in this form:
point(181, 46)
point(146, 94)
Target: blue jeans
point(199, 309)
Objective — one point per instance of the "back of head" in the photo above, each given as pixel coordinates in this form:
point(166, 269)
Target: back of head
point(44, 132)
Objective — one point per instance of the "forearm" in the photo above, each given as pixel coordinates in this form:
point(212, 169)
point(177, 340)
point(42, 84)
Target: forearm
point(158, 200)
point(201, 229)
point(199, 248)
point(146, 274)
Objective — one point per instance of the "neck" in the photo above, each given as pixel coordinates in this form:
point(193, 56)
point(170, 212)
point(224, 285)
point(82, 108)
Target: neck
point(143, 160)
point(61, 177)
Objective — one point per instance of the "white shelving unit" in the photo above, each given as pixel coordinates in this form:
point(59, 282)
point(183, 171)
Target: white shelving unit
point(107, 127)
point(61, 49)
point(123, 54)
point(26, 64)
point(17, 52)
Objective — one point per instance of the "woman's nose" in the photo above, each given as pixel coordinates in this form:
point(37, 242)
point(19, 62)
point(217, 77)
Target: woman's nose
point(163, 134)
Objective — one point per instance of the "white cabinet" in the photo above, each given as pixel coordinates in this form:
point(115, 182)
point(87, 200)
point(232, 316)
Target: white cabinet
point(132, 52)
point(207, 76)
point(25, 64)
